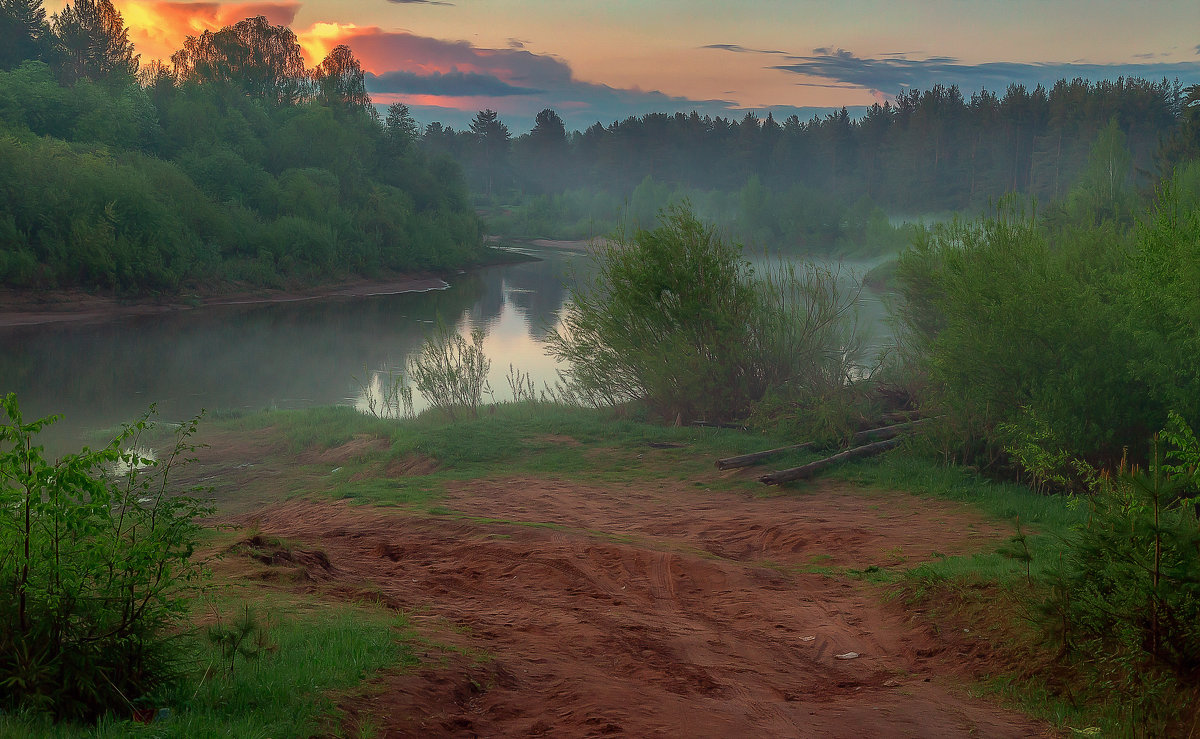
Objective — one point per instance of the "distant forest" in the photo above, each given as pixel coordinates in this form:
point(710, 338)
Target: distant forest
point(815, 182)
point(236, 164)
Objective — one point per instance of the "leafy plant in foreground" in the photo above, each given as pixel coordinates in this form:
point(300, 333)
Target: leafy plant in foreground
point(1127, 596)
point(95, 566)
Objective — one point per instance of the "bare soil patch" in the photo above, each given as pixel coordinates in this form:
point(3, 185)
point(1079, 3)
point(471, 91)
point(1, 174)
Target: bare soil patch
point(655, 610)
point(357, 449)
point(411, 465)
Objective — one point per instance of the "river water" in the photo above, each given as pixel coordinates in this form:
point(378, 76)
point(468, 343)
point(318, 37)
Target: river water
point(279, 355)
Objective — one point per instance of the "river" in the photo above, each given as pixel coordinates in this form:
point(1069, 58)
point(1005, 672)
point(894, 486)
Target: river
point(279, 355)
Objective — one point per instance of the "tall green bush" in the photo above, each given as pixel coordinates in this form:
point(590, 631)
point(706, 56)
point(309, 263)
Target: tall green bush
point(95, 565)
point(1068, 344)
point(675, 317)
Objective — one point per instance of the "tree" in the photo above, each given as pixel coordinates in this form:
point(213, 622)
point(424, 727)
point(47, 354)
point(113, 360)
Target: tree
point(96, 563)
point(94, 42)
point(401, 127)
point(546, 151)
point(492, 138)
point(24, 33)
point(1184, 143)
point(262, 59)
point(549, 133)
point(340, 80)
point(674, 317)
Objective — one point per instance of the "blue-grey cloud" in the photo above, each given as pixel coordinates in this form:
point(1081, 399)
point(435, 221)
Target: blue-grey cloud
point(739, 49)
point(419, 2)
point(451, 84)
point(892, 73)
point(515, 81)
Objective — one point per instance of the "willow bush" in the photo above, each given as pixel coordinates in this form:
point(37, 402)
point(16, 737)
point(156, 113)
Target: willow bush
point(675, 317)
point(1044, 347)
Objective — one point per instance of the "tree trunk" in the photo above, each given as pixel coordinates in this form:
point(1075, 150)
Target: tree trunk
point(745, 460)
point(806, 471)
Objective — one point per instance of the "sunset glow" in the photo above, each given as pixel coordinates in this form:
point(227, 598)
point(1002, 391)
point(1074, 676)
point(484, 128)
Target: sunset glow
point(607, 61)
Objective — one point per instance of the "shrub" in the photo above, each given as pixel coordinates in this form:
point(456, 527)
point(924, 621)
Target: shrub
point(95, 565)
point(450, 373)
point(675, 318)
point(1126, 598)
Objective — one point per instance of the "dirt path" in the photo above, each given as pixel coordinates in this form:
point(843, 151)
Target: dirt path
point(655, 611)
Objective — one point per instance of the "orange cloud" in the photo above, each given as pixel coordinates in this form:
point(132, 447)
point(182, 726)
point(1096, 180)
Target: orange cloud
point(381, 51)
point(157, 28)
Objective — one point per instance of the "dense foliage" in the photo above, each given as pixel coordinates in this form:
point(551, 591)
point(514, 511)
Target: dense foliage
point(236, 164)
point(1048, 345)
point(1058, 340)
point(1128, 592)
point(95, 561)
point(675, 317)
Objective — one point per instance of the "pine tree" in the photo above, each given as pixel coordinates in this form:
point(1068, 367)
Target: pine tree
point(24, 33)
point(94, 42)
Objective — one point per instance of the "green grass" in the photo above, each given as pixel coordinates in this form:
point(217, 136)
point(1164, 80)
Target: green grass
point(320, 648)
point(1047, 520)
point(534, 439)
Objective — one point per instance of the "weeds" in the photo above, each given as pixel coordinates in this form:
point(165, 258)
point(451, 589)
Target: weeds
point(387, 394)
point(244, 637)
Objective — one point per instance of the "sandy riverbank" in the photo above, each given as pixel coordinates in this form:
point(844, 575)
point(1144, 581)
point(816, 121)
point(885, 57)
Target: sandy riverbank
point(26, 308)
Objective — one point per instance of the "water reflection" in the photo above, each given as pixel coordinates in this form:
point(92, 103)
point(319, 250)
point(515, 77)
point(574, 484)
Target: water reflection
point(518, 306)
point(282, 355)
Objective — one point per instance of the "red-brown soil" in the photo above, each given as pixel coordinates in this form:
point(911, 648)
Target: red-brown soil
point(659, 610)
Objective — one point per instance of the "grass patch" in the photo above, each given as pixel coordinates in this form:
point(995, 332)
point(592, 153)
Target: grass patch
point(536, 439)
point(1047, 520)
point(317, 648)
point(321, 428)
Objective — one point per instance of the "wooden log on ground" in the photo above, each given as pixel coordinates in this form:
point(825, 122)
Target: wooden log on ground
point(805, 471)
point(897, 416)
point(745, 460)
point(887, 432)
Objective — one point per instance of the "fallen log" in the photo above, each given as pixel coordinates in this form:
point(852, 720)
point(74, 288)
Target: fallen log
point(887, 432)
point(812, 468)
point(897, 416)
point(745, 460)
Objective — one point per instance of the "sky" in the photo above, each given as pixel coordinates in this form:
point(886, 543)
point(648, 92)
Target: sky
point(605, 60)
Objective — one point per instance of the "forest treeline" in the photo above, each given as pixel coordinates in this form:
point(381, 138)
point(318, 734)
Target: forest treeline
point(813, 184)
point(234, 163)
